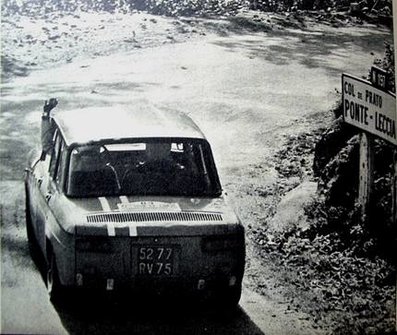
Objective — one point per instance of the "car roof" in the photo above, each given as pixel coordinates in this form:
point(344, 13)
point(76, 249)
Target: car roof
point(94, 124)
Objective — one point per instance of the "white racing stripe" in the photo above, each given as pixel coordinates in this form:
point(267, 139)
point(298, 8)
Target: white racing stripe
point(111, 229)
point(105, 204)
point(124, 199)
point(133, 231)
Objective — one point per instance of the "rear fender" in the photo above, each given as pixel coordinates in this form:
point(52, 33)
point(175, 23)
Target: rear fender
point(61, 243)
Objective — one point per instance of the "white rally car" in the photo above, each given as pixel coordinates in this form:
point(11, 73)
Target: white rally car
point(130, 199)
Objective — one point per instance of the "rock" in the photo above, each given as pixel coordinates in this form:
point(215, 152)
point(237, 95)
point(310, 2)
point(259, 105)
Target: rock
point(54, 37)
point(290, 213)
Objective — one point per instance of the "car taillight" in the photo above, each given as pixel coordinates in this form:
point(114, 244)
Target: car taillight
point(93, 244)
point(222, 243)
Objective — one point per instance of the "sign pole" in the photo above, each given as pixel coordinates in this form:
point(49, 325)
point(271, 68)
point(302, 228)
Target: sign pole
point(366, 174)
point(371, 107)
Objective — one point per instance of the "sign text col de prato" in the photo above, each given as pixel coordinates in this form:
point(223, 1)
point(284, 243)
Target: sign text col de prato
point(369, 108)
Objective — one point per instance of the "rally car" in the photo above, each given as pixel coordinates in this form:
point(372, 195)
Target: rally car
point(130, 199)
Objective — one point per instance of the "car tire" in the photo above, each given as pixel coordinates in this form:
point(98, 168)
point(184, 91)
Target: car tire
point(54, 287)
point(231, 298)
point(224, 301)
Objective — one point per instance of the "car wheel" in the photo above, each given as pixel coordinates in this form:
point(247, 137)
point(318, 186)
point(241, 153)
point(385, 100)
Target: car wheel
point(227, 300)
point(232, 297)
point(54, 287)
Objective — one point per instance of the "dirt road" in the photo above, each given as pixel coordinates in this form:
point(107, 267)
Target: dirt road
point(246, 91)
point(27, 310)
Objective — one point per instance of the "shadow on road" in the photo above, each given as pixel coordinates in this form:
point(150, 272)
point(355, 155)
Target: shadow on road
point(106, 315)
point(314, 48)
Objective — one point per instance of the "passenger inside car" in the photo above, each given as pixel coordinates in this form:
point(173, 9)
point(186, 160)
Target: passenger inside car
point(91, 173)
point(150, 168)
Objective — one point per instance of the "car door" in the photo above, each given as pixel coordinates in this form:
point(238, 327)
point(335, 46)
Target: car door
point(46, 190)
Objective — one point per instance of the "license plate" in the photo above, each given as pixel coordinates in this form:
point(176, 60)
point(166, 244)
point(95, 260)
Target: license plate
point(157, 260)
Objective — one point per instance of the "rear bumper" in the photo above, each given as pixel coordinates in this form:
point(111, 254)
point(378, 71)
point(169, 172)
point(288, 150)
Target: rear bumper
point(195, 263)
point(197, 286)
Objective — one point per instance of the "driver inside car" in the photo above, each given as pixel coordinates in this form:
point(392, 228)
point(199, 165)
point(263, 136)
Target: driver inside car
point(158, 156)
point(92, 172)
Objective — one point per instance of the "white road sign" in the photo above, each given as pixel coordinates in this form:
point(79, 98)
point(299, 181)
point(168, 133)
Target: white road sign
point(369, 108)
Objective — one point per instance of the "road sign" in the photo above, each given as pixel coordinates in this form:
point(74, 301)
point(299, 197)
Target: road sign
point(369, 108)
point(379, 78)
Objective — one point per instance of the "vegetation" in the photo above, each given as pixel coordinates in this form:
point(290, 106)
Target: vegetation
point(190, 7)
point(336, 166)
point(336, 262)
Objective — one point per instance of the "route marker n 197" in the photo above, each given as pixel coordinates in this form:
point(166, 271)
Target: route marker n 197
point(369, 108)
point(379, 78)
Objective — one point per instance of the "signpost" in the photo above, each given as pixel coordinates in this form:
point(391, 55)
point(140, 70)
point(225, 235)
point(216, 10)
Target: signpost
point(371, 108)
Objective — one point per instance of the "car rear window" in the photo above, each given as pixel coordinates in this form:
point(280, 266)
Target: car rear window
point(151, 167)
